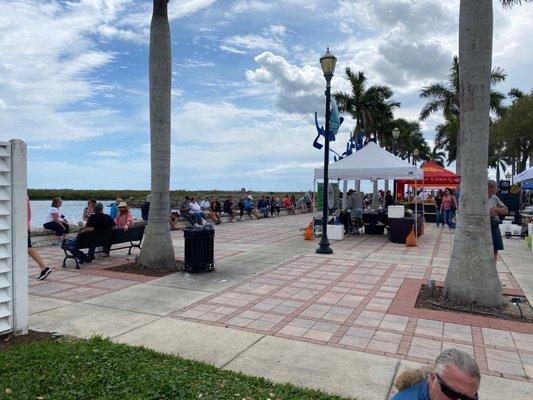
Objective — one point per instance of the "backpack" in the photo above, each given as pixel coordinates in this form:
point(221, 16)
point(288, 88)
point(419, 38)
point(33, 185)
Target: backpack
point(227, 206)
point(248, 204)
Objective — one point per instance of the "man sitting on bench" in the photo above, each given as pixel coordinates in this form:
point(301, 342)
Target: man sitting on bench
point(98, 221)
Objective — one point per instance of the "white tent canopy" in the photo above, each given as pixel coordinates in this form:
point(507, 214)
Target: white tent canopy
point(524, 176)
point(371, 162)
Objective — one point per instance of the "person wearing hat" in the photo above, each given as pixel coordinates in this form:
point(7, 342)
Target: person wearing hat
point(124, 219)
point(249, 207)
point(145, 208)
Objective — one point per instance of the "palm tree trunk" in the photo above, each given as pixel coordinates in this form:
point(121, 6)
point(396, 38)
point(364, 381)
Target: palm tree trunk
point(386, 185)
point(498, 170)
point(157, 250)
point(472, 275)
point(458, 153)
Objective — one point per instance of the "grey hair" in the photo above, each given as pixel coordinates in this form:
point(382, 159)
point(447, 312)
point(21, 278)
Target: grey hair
point(458, 359)
point(491, 182)
point(98, 208)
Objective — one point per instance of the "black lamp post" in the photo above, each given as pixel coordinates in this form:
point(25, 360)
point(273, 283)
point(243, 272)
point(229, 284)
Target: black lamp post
point(327, 62)
point(395, 136)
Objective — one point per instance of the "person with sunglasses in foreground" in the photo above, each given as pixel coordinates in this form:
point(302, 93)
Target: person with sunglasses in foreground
point(455, 376)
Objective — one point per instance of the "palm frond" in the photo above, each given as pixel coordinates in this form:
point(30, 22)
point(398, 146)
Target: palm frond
point(497, 75)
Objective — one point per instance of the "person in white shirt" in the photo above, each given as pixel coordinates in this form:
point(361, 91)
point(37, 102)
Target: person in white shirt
point(55, 221)
point(196, 211)
point(205, 205)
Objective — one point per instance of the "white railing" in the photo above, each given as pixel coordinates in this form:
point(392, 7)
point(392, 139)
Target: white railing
point(13, 238)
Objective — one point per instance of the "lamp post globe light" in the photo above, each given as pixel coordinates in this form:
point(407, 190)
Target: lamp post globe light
point(328, 62)
point(415, 156)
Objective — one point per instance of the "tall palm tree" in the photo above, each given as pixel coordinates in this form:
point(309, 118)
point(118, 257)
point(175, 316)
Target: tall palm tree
point(472, 276)
point(365, 104)
point(369, 106)
point(157, 250)
point(444, 96)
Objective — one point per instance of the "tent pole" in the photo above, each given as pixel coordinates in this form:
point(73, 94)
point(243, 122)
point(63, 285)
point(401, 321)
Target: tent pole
point(344, 190)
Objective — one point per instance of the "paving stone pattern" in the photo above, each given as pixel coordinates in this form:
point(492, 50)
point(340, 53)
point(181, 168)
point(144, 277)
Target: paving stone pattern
point(342, 300)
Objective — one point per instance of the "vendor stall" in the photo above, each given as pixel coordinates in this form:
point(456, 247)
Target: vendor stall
point(435, 177)
point(371, 162)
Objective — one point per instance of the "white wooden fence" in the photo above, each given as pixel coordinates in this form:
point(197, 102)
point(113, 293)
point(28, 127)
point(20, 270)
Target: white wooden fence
point(13, 238)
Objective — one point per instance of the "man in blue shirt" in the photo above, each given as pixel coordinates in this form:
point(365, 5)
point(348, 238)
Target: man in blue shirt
point(455, 376)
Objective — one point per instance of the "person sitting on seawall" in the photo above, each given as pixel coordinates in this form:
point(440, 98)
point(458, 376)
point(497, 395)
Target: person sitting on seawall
point(185, 210)
point(87, 211)
point(249, 207)
point(196, 212)
point(98, 221)
point(287, 204)
point(455, 375)
point(262, 206)
point(33, 253)
point(205, 206)
point(145, 208)
point(308, 202)
point(300, 203)
point(228, 208)
point(113, 208)
point(174, 218)
point(55, 221)
point(215, 210)
point(124, 219)
point(275, 206)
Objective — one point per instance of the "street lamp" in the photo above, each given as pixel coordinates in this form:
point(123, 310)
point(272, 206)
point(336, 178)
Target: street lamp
point(327, 62)
point(395, 136)
point(415, 156)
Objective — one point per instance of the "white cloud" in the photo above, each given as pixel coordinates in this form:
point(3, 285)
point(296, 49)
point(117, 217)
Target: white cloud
point(107, 154)
point(300, 88)
point(240, 44)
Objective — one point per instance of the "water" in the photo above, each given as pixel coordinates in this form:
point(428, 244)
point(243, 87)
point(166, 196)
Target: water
point(71, 209)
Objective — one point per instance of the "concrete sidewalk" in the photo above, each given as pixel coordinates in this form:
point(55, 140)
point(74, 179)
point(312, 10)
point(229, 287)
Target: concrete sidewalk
point(217, 317)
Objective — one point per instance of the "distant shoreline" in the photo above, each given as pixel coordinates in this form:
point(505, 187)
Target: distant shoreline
point(138, 196)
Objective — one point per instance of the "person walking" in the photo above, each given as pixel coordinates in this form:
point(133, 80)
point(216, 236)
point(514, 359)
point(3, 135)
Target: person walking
point(438, 203)
point(32, 252)
point(228, 208)
point(448, 208)
point(496, 208)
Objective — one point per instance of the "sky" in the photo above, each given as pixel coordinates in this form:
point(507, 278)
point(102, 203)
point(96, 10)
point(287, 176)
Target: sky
point(246, 82)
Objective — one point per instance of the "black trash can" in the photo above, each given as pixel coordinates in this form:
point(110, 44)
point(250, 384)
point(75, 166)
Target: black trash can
point(199, 249)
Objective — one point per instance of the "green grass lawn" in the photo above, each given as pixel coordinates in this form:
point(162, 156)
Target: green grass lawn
point(100, 369)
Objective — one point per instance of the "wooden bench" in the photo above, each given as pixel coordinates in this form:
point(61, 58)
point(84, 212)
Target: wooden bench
point(86, 240)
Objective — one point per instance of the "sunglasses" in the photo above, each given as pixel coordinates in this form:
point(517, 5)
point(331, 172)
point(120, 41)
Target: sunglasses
point(451, 393)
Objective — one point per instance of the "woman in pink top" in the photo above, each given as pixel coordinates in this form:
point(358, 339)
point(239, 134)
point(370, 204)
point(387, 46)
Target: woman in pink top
point(448, 207)
point(124, 219)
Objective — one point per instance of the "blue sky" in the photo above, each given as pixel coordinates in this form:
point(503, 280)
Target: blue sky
point(246, 82)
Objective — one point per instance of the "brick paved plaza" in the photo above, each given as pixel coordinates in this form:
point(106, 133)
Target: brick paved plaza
point(270, 283)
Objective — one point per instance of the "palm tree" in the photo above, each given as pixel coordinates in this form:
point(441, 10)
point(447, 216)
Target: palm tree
point(444, 96)
point(370, 106)
point(437, 156)
point(365, 104)
point(472, 276)
point(157, 250)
